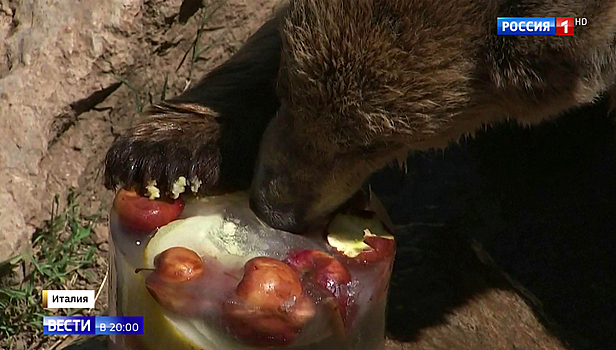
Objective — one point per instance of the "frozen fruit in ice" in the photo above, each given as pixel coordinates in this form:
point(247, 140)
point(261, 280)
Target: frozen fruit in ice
point(327, 273)
point(362, 239)
point(323, 269)
point(144, 215)
point(178, 264)
point(169, 282)
point(270, 308)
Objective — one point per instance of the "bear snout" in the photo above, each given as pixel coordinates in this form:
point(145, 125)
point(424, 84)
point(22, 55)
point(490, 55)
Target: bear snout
point(274, 201)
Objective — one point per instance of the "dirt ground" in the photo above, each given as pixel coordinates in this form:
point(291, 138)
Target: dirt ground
point(503, 239)
point(72, 77)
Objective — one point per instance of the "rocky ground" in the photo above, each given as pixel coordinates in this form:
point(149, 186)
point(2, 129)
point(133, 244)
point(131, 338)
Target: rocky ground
point(503, 239)
point(73, 76)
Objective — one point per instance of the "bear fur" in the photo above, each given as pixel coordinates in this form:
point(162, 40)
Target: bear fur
point(328, 92)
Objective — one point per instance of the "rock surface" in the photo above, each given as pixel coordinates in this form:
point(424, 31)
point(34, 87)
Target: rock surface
point(62, 100)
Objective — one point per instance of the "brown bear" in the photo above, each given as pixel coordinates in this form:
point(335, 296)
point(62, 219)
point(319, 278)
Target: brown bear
point(328, 92)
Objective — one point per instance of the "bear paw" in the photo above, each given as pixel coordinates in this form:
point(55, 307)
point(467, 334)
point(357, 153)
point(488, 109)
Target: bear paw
point(174, 141)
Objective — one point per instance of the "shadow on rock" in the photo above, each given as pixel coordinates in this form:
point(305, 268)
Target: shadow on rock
point(539, 201)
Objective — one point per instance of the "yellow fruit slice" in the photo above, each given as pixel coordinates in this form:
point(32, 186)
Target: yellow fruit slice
point(208, 235)
point(346, 233)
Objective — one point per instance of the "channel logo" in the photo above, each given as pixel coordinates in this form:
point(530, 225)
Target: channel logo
point(55, 325)
point(99, 325)
point(538, 25)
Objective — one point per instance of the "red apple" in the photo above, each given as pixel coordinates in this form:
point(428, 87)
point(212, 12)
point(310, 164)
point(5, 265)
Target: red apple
point(174, 268)
point(323, 269)
point(327, 273)
point(184, 283)
point(178, 264)
point(144, 215)
point(270, 309)
point(364, 240)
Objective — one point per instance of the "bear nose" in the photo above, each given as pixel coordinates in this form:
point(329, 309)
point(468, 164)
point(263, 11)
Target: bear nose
point(273, 200)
